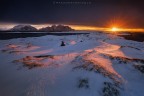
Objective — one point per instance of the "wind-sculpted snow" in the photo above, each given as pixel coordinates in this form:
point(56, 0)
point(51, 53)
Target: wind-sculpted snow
point(95, 64)
point(12, 48)
point(93, 61)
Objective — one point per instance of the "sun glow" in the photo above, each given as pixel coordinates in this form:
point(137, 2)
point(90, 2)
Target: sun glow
point(112, 27)
point(115, 29)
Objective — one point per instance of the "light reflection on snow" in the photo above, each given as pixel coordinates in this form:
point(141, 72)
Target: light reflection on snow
point(56, 74)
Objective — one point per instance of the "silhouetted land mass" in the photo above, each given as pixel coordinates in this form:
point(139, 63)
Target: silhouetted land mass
point(29, 28)
point(136, 36)
point(4, 35)
point(11, 35)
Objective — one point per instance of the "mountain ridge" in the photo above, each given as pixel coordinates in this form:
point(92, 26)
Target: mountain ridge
point(30, 28)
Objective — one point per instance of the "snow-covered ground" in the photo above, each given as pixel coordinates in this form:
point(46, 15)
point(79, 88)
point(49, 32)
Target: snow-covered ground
point(95, 64)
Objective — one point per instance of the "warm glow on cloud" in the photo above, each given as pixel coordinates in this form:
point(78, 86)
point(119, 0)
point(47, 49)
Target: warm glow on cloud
point(6, 26)
point(78, 27)
point(92, 28)
point(38, 26)
point(111, 28)
point(115, 29)
point(121, 25)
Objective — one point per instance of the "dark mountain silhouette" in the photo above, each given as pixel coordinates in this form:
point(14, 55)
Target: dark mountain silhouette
point(56, 28)
point(29, 28)
point(23, 28)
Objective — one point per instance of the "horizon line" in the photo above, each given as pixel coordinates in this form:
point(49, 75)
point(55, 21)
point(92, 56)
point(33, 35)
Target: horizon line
point(7, 26)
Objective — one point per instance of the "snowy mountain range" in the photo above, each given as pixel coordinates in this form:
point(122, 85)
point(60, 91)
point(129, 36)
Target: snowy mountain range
point(23, 28)
point(29, 28)
point(56, 28)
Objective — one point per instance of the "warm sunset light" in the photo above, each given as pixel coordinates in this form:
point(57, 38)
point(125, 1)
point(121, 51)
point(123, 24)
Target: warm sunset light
point(111, 28)
point(92, 28)
point(114, 29)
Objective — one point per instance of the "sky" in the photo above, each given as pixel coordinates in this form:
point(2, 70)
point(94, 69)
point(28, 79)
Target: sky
point(97, 13)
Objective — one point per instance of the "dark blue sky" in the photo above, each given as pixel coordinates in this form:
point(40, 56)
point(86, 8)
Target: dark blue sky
point(98, 13)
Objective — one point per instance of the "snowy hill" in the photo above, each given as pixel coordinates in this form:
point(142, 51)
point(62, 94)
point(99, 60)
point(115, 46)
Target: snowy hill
point(95, 64)
point(29, 28)
point(23, 28)
point(56, 28)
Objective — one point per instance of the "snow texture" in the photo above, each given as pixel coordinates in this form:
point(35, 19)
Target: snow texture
point(95, 64)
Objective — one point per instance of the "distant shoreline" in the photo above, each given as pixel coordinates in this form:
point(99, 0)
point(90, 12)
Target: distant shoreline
point(11, 35)
point(137, 36)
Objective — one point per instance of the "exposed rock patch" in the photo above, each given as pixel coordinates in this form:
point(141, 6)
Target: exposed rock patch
point(110, 89)
point(34, 61)
point(124, 59)
point(83, 83)
point(94, 66)
point(139, 67)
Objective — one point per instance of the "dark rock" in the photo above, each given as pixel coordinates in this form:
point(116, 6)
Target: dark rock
point(62, 43)
point(91, 66)
point(124, 60)
point(45, 56)
point(83, 83)
point(140, 68)
point(110, 89)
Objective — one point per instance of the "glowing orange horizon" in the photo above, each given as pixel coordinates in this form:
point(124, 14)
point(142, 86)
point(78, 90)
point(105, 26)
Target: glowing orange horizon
point(78, 27)
point(82, 27)
point(114, 29)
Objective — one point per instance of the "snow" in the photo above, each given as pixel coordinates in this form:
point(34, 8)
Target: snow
point(39, 66)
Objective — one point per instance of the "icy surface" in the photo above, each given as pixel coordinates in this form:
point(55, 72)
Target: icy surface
point(95, 64)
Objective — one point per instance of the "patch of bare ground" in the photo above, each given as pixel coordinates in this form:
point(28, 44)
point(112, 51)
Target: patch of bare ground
point(33, 61)
point(12, 51)
point(83, 83)
point(137, 63)
point(4, 50)
point(45, 56)
point(110, 89)
point(139, 67)
point(12, 48)
point(130, 47)
point(124, 59)
point(93, 66)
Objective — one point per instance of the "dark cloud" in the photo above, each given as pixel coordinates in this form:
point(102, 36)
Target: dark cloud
point(97, 13)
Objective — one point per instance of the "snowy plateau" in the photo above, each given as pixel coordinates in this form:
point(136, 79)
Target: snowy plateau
point(94, 64)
